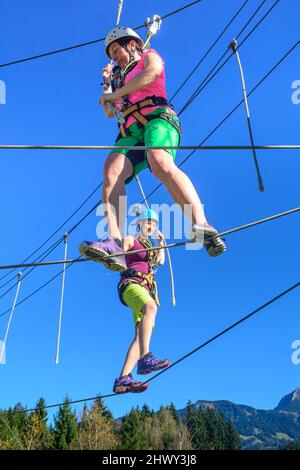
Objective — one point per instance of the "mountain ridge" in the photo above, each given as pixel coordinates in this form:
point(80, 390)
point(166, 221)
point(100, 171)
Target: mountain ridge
point(259, 428)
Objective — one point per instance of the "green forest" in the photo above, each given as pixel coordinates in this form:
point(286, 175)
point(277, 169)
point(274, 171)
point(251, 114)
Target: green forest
point(95, 428)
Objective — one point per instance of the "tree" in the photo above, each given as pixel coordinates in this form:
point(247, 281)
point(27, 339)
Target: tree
point(96, 428)
point(194, 420)
point(146, 412)
point(173, 410)
point(37, 436)
point(215, 428)
point(131, 431)
point(104, 409)
point(233, 441)
point(12, 426)
point(163, 431)
point(174, 435)
point(65, 427)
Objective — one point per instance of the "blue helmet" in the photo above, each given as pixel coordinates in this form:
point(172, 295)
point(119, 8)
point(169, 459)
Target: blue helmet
point(147, 214)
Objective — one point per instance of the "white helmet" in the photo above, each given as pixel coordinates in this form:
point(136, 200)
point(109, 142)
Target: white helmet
point(121, 32)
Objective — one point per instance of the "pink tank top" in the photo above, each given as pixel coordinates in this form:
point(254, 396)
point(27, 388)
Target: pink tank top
point(157, 88)
point(137, 261)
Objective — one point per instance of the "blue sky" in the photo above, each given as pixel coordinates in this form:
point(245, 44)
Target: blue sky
point(55, 101)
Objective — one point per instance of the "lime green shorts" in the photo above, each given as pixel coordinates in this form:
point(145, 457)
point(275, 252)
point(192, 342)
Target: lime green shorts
point(135, 297)
point(158, 132)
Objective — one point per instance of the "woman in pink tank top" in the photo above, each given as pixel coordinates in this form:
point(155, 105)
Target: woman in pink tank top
point(140, 99)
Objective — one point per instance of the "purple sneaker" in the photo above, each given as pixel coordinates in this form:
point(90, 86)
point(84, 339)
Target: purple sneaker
point(149, 363)
point(128, 384)
point(99, 250)
point(204, 233)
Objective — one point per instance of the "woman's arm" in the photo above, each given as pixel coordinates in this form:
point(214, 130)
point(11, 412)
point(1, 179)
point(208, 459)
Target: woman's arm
point(161, 253)
point(106, 75)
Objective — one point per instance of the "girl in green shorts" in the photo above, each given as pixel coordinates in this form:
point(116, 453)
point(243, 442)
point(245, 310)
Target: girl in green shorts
point(137, 290)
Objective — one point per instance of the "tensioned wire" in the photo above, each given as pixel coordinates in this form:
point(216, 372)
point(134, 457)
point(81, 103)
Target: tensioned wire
point(119, 11)
point(170, 245)
point(95, 41)
point(208, 136)
point(201, 346)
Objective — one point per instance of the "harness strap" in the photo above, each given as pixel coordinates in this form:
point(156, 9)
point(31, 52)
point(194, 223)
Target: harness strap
point(140, 118)
point(146, 280)
point(133, 109)
point(137, 106)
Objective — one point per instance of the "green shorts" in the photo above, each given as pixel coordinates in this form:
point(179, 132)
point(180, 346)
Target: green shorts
point(135, 297)
point(158, 132)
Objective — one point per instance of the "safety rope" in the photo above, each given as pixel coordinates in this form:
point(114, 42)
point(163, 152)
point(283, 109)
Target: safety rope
point(61, 299)
point(38, 259)
point(46, 253)
point(208, 51)
point(112, 106)
point(170, 245)
point(36, 291)
point(233, 47)
point(209, 76)
point(214, 130)
point(173, 297)
point(10, 317)
point(119, 12)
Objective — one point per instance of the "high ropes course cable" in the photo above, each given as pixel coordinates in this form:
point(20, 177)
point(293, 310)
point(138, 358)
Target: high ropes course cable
point(212, 132)
point(149, 147)
point(170, 245)
point(203, 141)
point(95, 41)
point(198, 348)
point(234, 46)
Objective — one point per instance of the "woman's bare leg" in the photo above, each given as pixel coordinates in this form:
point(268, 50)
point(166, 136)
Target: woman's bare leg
point(146, 327)
point(133, 354)
point(116, 170)
point(178, 184)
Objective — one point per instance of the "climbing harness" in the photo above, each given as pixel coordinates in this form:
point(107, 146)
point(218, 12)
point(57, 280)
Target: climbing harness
point(144, 279)
point(137, 210)
point(117, 80)
point(133, 109)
